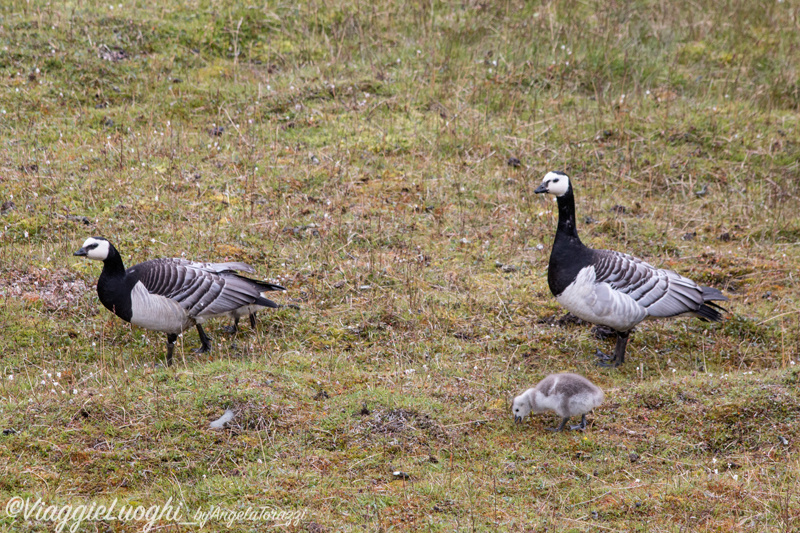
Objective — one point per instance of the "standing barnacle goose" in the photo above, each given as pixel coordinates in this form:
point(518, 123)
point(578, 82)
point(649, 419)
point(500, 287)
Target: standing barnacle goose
point(615, 289)
point(172, 295)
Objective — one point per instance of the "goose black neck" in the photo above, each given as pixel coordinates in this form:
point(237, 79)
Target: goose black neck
point(112, 265)
point(566, 215)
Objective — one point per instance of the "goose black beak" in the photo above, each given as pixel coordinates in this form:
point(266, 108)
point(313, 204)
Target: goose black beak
point(82, 252)
point(540, 189)
point(517, 419)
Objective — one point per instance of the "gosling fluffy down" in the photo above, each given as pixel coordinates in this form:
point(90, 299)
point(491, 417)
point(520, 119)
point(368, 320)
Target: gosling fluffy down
point(566, 394)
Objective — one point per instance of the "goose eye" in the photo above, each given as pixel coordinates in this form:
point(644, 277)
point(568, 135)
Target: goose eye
point(92, 246)
point(556, 180)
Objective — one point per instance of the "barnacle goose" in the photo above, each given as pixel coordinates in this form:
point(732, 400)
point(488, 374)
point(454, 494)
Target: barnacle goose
point(615, 289)
point(566, 394)
point(172, 295)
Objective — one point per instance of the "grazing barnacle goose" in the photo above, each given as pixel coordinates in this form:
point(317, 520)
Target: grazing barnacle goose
point(566, 394)
point(172, 295)
point(615, 289)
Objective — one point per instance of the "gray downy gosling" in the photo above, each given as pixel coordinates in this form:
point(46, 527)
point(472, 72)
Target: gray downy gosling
point(566, 394)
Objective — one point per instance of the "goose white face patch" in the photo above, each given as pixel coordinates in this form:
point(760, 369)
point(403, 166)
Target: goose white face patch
point(96, 249)
point(556, 183)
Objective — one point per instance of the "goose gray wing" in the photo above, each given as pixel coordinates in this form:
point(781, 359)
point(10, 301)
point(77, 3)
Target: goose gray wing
point(661, 292)
point(232, 266)
point(201, 292)
point(228, 268)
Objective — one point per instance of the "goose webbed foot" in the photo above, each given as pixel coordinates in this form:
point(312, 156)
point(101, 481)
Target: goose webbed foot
point(232, 329)
point(204, 340)
point(560, 426)
point(602, 358)
point(580, 426)
point(619, 352)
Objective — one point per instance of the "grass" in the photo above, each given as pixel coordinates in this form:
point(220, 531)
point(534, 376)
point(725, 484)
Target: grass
point(360, 154)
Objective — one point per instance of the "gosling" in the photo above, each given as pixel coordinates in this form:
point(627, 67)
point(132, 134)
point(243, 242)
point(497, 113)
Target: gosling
point(566, 394)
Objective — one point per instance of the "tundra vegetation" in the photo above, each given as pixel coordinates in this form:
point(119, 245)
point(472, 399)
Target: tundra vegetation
point(379, 159)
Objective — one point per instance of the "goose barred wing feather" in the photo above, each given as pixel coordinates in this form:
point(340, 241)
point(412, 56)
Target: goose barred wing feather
point(202, 292)
point(233, 266)
point(663, 293)
point(227, 268)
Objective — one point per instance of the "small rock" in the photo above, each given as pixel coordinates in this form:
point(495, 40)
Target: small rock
point(702, 191)
point(313, 527)
point(338, 284)
point(508, 268)
point(78, 218)
point(725, 237)
point(514, 162)
point(216, 131)
point(783, 440)
point(7, 206)
point(399, 474)
point(633, 457)
point(9, 431)
point(619, 209)
point(220, 422)
point(321, 395)
point(690, 236)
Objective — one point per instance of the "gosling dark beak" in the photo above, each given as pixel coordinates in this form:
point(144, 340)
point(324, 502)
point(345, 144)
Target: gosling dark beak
point(540, 189)
point(82, 252)
point(517, 419)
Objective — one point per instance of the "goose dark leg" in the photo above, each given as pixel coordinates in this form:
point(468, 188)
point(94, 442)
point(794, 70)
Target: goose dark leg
point(232, 329)
point(580, 426)
point(171, 338)
point(560, 426)
point(205, 341)
point(253, 320)
point(619, 352)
